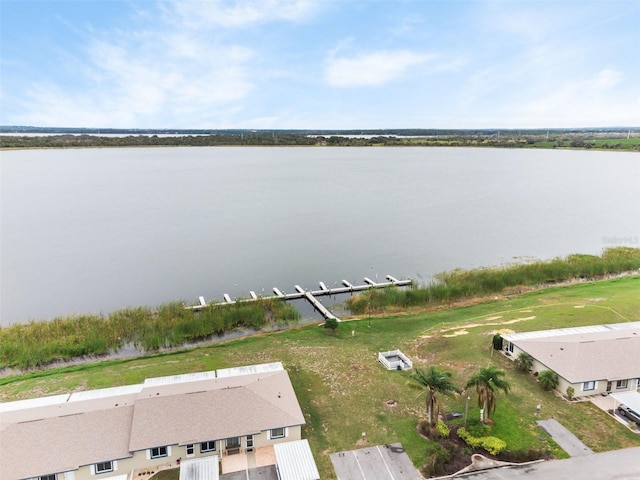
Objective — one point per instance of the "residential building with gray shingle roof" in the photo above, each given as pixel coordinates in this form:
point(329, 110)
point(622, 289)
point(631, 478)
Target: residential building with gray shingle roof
point(112, 432)
point(595, 359)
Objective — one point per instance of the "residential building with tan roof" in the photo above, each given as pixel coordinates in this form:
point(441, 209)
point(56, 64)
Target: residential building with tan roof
point(596, 359)
point(108, 433)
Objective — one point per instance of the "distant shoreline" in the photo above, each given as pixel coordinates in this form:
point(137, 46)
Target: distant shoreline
point(620, 139)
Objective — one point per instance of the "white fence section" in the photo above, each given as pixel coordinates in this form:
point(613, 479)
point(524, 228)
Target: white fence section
point(395, 360)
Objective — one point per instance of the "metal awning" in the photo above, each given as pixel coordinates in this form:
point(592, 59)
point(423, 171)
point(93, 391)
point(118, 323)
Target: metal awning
point(630, 399)
point(205, 468)
point(295, 461)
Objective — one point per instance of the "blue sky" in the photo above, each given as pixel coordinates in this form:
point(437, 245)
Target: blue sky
point(320, 64)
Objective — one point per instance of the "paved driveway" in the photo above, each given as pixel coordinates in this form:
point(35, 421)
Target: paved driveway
point(563, 437)
point(383, 462)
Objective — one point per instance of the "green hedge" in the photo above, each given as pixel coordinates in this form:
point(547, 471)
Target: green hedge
point(493, 445)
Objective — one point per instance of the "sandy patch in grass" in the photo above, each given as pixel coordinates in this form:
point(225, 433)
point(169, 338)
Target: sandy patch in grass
point(516, 320)
point(457, 333)
point(578, 306)
point(473, 325)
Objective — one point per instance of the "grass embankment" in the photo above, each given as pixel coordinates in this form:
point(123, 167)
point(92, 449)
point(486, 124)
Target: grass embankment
point(343, 390)
point(35, 344)
point(460, 284)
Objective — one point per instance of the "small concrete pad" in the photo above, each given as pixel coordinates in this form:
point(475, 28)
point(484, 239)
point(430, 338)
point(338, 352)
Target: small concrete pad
point(260, 473)
point(563, 437)
point(382, 462)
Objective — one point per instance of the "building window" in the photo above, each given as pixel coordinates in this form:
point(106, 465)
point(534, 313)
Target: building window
point(159, 452)
point(209, 446)
point(621, 384)
point(190, 450)
point(586, 386)
point(277, 433)
point(103, 467)
point(233, 442)
point(249, 441)
point(47, 477)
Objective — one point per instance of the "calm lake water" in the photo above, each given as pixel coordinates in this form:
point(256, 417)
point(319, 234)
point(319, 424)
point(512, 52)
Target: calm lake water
point(93, 230)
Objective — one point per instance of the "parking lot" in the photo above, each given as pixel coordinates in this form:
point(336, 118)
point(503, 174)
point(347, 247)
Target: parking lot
point(382, 462)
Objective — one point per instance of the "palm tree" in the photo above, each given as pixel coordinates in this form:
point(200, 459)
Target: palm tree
point(487, 381)
point(548, 379)
point(434, 382)
point(524, 361)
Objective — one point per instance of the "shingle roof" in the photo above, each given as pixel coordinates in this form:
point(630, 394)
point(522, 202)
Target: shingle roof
point(65, 442)
point(229, 407)
point(602, 352)
point(64, 432)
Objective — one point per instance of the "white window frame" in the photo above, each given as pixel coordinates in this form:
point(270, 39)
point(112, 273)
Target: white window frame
point(249, 441)
point(97, 471)
point(190, 449)
point(272, 436)
point(166, 453)
point(586, 385)
point(207, 448)
point(227, 446)
point(621, 384)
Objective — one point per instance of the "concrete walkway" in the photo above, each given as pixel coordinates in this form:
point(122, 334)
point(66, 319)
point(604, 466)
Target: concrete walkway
point(563, 437)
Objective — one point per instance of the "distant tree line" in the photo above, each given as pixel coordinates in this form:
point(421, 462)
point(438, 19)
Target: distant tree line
point(435, 138)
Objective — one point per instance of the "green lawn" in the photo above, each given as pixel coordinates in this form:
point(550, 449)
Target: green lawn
point(343, 390)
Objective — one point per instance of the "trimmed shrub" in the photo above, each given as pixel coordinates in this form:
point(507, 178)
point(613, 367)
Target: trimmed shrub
point(493, 445)
point(443, 429)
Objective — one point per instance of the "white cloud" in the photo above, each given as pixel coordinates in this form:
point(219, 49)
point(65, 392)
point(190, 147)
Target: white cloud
point(167, 75)
point(371, 69)
point(240, 13)
point(581, 103)
point(606, 79)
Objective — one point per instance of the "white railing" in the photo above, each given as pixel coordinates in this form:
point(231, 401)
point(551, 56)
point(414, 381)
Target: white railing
point(403, 361)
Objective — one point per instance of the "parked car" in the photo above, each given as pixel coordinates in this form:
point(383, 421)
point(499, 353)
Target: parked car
point(625, 411)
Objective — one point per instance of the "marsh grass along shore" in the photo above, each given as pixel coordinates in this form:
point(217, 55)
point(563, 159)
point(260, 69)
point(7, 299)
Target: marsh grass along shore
point(40, 343)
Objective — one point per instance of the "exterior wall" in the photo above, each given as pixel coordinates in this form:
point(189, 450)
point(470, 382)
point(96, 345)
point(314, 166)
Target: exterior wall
point(140, 459)
point(563, 384)
point(513, 351)
point(127, 465)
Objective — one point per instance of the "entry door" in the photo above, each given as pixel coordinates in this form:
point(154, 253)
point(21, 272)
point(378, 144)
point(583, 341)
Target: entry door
point(609, 386)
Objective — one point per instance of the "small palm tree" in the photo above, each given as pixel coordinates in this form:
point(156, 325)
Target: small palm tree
point(487, 381)
point(524, 361)
point(434, 382)
point(548, 379)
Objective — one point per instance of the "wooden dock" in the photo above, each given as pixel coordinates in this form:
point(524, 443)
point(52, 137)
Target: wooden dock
point(310, 295)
